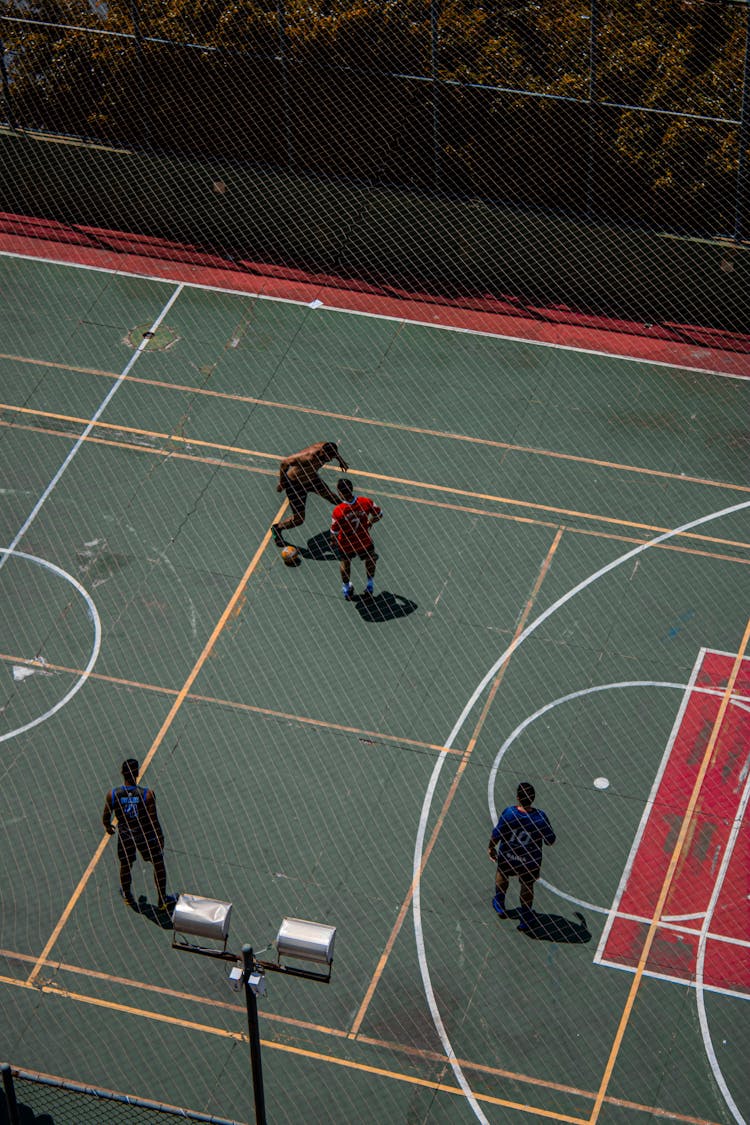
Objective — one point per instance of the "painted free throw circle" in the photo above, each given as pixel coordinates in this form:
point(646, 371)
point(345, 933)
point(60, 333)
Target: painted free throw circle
point(97, 640)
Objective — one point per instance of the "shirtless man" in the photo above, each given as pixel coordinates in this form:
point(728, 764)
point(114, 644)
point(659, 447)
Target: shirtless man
point(298, 476)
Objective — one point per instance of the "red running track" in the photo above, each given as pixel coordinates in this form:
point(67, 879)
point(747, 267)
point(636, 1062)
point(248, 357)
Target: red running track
point(716, 826)
point(688, 346)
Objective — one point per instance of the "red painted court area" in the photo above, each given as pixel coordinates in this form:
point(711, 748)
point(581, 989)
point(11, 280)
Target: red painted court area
point(710, 887)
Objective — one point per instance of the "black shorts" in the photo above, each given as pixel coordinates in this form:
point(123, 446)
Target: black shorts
point(297, 498)
point(525, 874)
point(363, 553)
point(148, 846)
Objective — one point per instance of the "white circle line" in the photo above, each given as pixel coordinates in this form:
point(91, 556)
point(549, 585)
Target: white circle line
point(437, 769)
point(738, 701)
point(700, 960)
point(96, 621)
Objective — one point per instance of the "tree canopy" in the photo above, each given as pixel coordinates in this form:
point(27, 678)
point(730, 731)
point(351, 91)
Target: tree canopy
point(412, 92)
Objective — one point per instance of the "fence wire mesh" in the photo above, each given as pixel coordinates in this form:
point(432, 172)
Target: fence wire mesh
point(34, 1099)
point(629, 114)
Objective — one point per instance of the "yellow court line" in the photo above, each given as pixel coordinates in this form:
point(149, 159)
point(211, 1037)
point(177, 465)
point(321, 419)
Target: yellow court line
point(179, 700)
point(174, 455)
point(270, 1044)
point(234, 704)
point(335, 415)
point(685, 830)
point(407, 481)
point(402, 1048)
point(404, 908)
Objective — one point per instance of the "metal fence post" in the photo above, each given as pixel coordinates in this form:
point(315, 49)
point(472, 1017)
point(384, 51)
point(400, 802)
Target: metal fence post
point(592, 114)
point(10, 1096)
point(741, 198)
point(6, 86)
point(143, 123)
point(283, 59)
point(437, 170)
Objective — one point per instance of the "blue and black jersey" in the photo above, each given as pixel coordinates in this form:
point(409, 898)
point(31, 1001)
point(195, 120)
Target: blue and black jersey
point(519, 835)
point(133, 817)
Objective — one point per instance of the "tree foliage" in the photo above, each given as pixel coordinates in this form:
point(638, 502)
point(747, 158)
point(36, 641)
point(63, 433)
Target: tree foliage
point(405, 91)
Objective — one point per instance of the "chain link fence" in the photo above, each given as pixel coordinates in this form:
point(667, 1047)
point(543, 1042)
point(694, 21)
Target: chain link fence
point(594, 109)
point(35, 1099)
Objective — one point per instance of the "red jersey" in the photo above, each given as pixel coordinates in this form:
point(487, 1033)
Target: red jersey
point(350, 524)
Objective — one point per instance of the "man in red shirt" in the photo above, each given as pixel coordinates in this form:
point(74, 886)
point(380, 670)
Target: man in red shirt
point(350, 531)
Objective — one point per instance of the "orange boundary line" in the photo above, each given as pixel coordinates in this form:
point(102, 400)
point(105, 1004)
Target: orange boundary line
point(179, 700)
point(380, 477)
point(401, 916)
point(237, 705)
point(136, 448)
point(423, 1054)
point(238, 1036)
point(685, 829)
point(333, 414)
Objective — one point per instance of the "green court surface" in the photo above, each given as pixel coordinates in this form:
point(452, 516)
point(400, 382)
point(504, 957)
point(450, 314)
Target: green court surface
point(565, 546)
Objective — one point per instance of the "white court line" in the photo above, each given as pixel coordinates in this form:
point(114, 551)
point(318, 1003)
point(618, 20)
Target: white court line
point(648, 807)
point(386, 316)
point(668, 979)
point(741, 701)
point(79, 442)
point(437, 769)
point(96, 622)
point(700, 962)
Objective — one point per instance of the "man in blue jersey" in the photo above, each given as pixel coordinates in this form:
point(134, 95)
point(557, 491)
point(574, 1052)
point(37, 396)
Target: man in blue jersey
point(516, 846)
point(139, 830)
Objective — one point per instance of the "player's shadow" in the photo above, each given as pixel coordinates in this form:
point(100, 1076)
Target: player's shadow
point(151, 913)
point(554, 927)
point(320, 549)
point(385, 606)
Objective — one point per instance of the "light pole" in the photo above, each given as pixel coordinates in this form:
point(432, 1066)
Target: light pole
point(297, 939)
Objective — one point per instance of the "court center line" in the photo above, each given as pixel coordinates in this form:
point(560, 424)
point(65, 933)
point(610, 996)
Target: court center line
point(180, 439)
point(685, 828)
point(179, 700)
point(335, 415)
point(466, 755)
point(224, 463)
point(90, 424)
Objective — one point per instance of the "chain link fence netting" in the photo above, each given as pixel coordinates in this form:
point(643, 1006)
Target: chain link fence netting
point(35, 1099)
point(635, 115)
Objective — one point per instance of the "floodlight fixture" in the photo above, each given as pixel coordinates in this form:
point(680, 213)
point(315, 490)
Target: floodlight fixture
point(201, 917)
point(297, 940)
point(300, 940)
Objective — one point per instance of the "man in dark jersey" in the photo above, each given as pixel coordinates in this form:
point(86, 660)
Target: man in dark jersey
point(138, 830)
point(516, 846)
point(298, 476)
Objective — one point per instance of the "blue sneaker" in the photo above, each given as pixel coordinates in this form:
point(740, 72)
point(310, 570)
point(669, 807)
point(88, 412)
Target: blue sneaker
point(370, 587)
point(498, 904)
point(348, 591)
point(527, 917)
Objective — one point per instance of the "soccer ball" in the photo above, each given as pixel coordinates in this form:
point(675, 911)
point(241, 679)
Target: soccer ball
point(291, 556)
